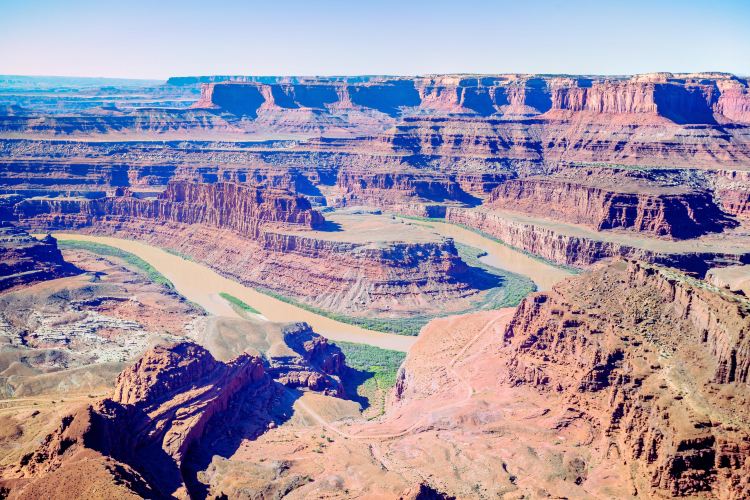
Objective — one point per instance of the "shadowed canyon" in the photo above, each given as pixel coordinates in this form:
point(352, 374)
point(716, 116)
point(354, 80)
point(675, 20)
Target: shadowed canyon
point(442, 286)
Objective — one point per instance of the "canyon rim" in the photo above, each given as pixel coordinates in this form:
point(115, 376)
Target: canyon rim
point(403, 282)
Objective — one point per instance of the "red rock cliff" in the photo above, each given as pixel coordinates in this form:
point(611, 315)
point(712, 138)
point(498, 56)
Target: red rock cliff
point(659, 359)
point(581, 250)
point(673, 212)
point(733, 191)
point(395, 190)
point(249, 234)
point(161, 407)
point(682, 98)
point(238, 207)
point(25, 260)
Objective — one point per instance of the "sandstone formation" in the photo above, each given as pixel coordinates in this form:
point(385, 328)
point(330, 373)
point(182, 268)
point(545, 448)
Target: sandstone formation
point(426, 146)
point(240, 208)
point(411, 192)
point(571, 246)
point(476, 121)
point(452, 428)
point(686, 98)
point(455, 116)
point(611, 199)
point(148, 434)
point(25, 260)
point(659, 359)
point(733, 190)
point(422, 193)
point(297, 357)
point(627, 382)
point(315, 364)
point(422, 146)
point(265, 237)
point(160, 409)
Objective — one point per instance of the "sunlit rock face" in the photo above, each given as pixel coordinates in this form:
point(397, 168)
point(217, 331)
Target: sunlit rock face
point(641, 369)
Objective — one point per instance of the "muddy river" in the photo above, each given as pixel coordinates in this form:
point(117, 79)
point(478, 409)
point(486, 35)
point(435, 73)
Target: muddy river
point(499, 255)
point(202, 285)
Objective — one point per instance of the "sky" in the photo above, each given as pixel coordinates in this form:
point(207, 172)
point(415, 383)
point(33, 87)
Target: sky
point(162, 38)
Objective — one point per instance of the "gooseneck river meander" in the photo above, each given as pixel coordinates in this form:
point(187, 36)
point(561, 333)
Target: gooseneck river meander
point(202, 285)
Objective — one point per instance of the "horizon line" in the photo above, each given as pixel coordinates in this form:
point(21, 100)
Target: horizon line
point(375, 75)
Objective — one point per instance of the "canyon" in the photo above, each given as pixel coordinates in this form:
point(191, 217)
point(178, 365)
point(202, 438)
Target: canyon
point(618, 402)
point(276, 232)
point(428, 146)
point(208, 287)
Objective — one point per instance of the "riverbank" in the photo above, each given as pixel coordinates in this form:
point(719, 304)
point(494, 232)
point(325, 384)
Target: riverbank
point(202, 285)
point(543, 274)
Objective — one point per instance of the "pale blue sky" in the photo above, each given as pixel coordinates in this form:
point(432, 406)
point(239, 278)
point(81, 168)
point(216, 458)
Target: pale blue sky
point(160, 38)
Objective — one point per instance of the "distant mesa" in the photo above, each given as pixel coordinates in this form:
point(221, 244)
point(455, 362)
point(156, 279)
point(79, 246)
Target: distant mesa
point(679, 98)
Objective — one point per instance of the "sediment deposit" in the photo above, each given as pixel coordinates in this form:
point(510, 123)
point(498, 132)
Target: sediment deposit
point(73, 334)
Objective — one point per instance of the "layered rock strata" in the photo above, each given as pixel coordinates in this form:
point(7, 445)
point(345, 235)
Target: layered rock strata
point(258, 236)
point(606, 203)
point(175, 407)
point(412, 192)
point(629, 381)
point(673, 406)
point(684, 98)
point(583, 249)
point(733, 191)
point(160, 408)
point(314, 363)
point(241, 208)
point(459, 120)
point(25, 260)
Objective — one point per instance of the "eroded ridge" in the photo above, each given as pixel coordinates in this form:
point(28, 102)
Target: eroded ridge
point(169, 411)
point(659, 358)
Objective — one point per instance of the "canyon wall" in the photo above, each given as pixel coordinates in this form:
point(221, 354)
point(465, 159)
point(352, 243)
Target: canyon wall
point(241, 208)
point(146, 120)
point(316, 366)
point(170, 412)
point(733, 191)
point(685, 98)
point(263, 238)
point(411, 192)
point(353, 278)
point(161, 407)
point(643, 350)
point(672, 212)
point(467, 122)
point(581, 250)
